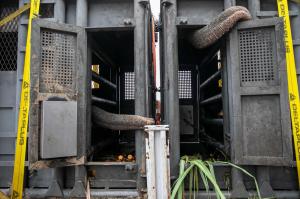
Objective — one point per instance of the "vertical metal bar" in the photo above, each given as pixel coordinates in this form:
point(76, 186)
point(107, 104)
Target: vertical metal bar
point(56, 185)
point(263, 179)
point(22, 34)
point(295, 23)
point(80, 171)
point(60, 11)
point(238, 187)
point(82, 13)
point(55, 188)
point(254, 7)
point(150, 163)
point(139, 103)
point(263, 174)
point(158, 164)
point(146, 24)
point(225, 102)
point(89, 75)
point(171, 67)
point(162, 164)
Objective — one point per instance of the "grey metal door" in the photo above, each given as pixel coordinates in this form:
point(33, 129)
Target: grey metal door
point(258, 98)
point(8, 80)
point(59, 92)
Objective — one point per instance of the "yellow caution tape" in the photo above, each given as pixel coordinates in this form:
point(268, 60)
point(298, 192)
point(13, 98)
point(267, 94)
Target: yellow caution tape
point(19, 164)
point(96, 69)
point(283, 11)
point(14, 14)
point(220, 83)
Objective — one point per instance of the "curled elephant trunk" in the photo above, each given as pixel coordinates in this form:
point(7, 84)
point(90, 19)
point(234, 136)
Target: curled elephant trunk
point(222, 24)
point(119, 121)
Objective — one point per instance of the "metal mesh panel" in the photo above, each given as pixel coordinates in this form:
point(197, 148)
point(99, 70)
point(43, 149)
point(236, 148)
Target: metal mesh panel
point(129, 86)
point(8, 40)
point(58, 58)
point(185, 84)
point(256, 55)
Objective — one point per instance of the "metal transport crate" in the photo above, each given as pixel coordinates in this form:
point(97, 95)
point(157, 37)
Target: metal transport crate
point(229, 97)
point(237, 99)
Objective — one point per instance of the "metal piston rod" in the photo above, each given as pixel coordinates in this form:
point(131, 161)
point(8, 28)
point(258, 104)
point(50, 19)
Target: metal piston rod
point(100, 79)
point(212, 99)
point(105, 101)
point(210, 79)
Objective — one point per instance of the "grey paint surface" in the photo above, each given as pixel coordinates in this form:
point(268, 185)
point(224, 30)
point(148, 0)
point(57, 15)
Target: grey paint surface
point(187, 16)
point(59, 129)
point(70, 87)
point(169, 69)
point(258, 91)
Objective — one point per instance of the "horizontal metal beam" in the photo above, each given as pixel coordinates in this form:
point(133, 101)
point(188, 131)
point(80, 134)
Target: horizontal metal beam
point(217, 122)
point(275, 13)
point(132, 193)
point(105, 101)
point(212, 99)
point(10, 163)
point(211, 78)
point(99, 79)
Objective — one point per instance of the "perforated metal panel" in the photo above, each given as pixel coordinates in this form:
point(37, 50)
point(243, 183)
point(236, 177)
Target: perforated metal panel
point(58, 55)
point(258, 97)
point(185, 84)
point(129, 85)
point(8, 40)
point(257, 47)
point(59, 75)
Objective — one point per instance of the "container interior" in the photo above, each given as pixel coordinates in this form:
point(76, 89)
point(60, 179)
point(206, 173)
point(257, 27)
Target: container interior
point(112, 58)
point(200, 98)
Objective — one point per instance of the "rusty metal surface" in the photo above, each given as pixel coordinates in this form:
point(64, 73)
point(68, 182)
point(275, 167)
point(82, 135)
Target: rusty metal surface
point(157, 161)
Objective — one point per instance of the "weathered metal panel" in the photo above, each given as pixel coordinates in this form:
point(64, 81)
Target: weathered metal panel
point(6, 176)
point(58, 129)
point(193, 12)
point(71, 12)
point(111, 13)
point(40, 178)
point(8, 82)
point(58, 54)
point(117, 14)
point(169, 70)
point(113, 175)
point(260, 117)
point(8, 89)
point(269, 104)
